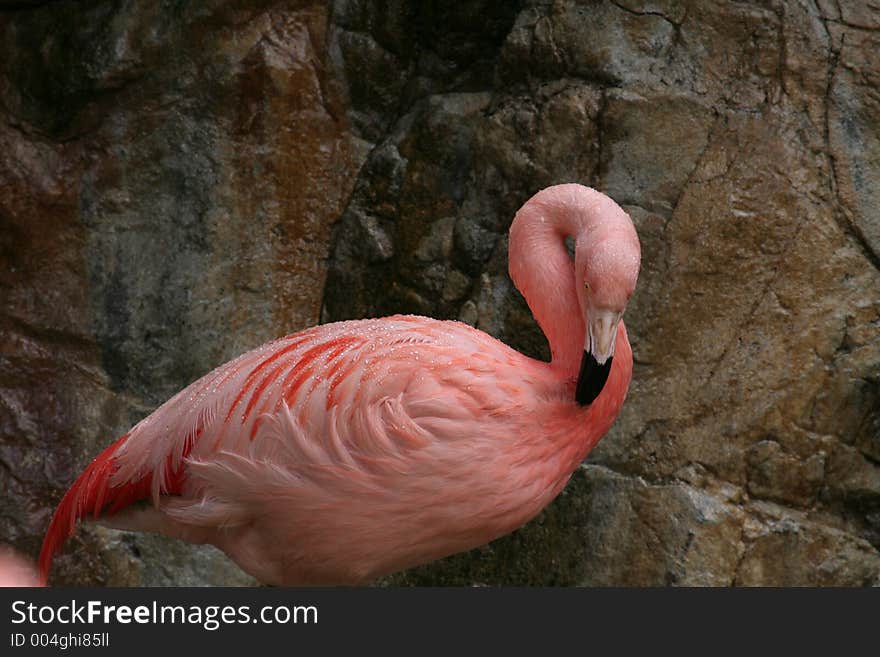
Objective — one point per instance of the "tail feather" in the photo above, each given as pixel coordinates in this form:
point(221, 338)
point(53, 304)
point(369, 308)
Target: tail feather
point(92, 494)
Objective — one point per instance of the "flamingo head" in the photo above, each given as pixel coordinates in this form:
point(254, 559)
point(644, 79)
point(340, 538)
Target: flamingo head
point(606, 270)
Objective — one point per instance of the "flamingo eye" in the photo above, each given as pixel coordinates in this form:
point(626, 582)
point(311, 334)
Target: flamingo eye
point(586, 285)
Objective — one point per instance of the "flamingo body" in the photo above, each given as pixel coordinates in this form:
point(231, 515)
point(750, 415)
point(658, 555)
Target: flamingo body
point(351, 450)
point(15, 570)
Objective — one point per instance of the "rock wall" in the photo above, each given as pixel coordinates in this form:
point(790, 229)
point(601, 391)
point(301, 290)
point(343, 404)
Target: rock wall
point(182, 181)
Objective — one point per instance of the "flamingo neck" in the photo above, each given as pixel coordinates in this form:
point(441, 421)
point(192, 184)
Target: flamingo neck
point(543, 271)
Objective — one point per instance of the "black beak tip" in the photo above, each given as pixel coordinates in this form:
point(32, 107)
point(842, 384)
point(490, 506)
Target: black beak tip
point(591, 379)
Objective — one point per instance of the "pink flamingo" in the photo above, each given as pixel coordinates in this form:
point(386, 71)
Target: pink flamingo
point(352, 450)
point(15, 570)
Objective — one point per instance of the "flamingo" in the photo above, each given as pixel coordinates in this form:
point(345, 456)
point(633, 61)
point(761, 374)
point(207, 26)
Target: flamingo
point(355, 449)
point(15, 570)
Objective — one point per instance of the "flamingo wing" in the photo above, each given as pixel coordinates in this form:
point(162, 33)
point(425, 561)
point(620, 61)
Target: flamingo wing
point(333, 402)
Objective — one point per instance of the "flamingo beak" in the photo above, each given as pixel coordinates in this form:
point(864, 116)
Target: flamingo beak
point(598, 354)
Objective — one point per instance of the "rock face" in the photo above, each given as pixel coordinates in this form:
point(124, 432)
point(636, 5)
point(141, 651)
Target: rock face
point(179, 183)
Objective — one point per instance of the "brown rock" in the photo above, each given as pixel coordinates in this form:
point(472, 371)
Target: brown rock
point(784, 550)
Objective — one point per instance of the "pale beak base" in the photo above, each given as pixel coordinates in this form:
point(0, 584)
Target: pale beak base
point(602, 333)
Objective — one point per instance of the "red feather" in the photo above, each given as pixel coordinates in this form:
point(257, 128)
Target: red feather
point(93, 494)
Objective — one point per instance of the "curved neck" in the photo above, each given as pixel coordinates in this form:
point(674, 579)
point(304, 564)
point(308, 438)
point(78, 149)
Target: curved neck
point(542, 269)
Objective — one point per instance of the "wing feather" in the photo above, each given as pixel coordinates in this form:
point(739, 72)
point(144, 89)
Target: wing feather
point(346, 400)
